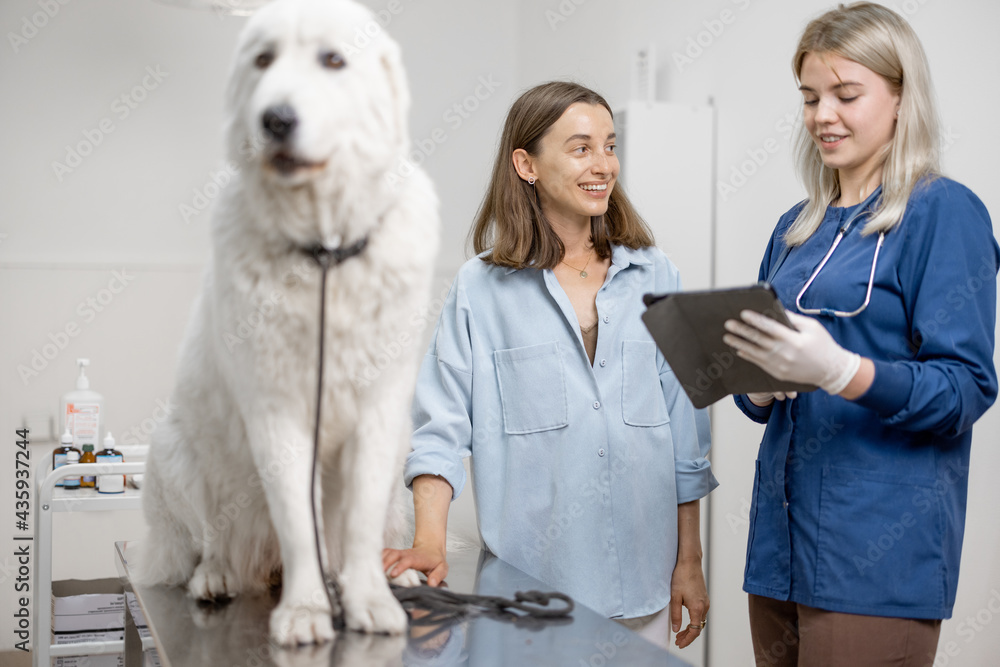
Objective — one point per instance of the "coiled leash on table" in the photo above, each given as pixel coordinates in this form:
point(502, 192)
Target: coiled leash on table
point(440, 603)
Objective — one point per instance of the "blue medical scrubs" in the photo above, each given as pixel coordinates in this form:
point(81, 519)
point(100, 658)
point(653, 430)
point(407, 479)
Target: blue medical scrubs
point(859, 507)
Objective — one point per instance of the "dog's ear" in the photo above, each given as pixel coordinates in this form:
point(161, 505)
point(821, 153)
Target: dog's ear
point(392, 62)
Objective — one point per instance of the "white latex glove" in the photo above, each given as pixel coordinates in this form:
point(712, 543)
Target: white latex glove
point(765, 398)
point(809, 355)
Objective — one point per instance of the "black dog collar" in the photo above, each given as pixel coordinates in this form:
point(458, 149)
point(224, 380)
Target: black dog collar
point(327, 257)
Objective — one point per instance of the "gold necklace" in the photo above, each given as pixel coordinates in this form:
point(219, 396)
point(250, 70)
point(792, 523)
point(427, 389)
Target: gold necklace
point(583, 271)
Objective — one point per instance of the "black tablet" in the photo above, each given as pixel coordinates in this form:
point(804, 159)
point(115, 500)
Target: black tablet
point(688, 329)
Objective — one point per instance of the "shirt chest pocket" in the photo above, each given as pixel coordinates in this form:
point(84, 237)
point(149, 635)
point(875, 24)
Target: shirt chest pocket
point(532, 388)
point(642, 396)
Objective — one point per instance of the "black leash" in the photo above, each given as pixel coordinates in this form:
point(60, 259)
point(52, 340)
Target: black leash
point(440, 604)
point(443, 604)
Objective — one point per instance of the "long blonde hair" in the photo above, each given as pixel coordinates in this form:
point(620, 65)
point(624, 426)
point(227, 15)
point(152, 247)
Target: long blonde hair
point(510, 223)
point(881, 40)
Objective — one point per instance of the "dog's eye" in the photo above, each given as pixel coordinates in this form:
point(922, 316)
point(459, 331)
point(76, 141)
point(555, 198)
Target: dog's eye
point(332, 60)
point(263, 60)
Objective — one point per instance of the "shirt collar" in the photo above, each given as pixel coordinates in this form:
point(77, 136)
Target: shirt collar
point(622, 256)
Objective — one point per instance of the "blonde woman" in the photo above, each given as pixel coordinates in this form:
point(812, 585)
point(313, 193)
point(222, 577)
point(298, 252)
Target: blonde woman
point(888, 272)
point(588, 458)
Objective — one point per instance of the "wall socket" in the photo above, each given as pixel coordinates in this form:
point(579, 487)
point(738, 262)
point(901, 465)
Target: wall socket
point(41, 425)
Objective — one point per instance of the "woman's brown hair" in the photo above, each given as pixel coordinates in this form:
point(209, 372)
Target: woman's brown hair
point(510, 224)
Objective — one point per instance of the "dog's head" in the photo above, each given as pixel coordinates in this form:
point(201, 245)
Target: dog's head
point(317, 95)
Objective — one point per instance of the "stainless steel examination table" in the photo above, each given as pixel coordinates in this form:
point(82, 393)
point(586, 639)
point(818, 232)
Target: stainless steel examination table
point(186, 634)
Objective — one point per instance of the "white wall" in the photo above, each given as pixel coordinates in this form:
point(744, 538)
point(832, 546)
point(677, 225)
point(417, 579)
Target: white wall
point(60, 241)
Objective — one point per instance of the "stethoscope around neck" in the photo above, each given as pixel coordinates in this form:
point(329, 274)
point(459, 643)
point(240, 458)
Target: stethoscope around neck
point(844, 230)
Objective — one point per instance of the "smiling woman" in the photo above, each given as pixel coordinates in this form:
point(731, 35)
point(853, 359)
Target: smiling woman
point(589, 459)
point(855, 544)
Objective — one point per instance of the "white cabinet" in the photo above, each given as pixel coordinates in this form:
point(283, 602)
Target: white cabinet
point(667, 155)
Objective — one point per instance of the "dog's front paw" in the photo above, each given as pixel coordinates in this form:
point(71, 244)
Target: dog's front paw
point(293, 625)
point(212, 582)
point(369, 606)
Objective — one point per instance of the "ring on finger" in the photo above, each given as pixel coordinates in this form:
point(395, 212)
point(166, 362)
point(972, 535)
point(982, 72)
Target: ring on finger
point(698, 626)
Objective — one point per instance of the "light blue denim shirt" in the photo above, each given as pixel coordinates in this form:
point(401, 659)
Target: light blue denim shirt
point(577, 469)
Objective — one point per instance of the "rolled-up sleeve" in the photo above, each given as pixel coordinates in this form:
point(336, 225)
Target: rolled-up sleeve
point(442, 404)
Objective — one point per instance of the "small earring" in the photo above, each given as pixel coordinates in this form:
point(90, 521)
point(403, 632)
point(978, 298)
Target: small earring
point(531, 180)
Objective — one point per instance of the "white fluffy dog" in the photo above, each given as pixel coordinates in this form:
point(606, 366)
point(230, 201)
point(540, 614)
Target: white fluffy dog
point(317, 105)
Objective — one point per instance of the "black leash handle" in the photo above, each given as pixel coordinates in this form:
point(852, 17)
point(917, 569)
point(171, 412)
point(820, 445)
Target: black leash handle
point(444, 603)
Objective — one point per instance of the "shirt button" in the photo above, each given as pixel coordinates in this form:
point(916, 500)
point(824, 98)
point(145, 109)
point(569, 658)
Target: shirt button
point(785, 504)
point(597, 405)
point(606, 319)
point(604, 362)
point(600, 452)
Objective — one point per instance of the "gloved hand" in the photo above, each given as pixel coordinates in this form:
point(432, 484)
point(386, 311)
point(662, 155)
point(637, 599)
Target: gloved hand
point(808, 355)
point(765, 398)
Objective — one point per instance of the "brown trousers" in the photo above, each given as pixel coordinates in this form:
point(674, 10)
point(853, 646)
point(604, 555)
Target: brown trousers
point(787, 634)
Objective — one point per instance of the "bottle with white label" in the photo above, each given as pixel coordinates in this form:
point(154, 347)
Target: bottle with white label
point(83, 410)
point(72, 483)
point(110, 483)
point(60, 455)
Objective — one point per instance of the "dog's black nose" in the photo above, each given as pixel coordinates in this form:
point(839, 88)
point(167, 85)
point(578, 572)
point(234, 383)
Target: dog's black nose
point(279, 121)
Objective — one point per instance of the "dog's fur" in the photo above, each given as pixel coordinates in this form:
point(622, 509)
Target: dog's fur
point(227, 490)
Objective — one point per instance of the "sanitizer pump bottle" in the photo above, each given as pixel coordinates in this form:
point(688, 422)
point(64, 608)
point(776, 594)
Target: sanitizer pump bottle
point(83, 410)
point(110, 483)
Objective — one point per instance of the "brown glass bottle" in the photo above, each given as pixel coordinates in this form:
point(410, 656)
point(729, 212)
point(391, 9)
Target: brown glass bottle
point(88, 481)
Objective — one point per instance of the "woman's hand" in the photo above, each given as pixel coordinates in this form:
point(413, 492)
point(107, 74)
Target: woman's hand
point(805, 354)
point(429, 560)
point(687, 589)
point(687, 584)
point(431, 499)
